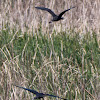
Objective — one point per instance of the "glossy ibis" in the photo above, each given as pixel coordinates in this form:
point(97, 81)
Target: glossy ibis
point(39, 95)
point(55, 17)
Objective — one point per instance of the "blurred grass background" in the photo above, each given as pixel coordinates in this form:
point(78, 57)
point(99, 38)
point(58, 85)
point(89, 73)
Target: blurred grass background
point(61, 58)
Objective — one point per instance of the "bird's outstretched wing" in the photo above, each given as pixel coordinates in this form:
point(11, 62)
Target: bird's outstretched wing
point(46, 9)
point(60, 15)
point(54, 96)
point(32, 91)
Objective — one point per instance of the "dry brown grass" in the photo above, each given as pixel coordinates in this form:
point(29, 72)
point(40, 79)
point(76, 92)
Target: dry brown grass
point(22, 14)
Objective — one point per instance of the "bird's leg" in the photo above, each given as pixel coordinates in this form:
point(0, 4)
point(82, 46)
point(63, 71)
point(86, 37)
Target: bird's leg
point(50, 22)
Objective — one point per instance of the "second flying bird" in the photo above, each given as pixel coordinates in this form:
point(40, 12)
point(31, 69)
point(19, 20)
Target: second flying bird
point(55, 17)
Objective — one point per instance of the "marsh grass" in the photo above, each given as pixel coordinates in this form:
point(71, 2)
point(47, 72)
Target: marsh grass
point(23, 14)
point(60, 58)
point(64, 64)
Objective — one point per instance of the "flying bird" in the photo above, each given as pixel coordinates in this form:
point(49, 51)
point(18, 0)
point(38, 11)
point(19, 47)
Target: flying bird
point(55, 17)
point(39, 95)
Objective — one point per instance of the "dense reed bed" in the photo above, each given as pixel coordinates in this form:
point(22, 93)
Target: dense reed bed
point(60, 58)
point(64, 64)
point(23, 14)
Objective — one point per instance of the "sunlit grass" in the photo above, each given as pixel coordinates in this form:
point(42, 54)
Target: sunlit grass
point(64, 65)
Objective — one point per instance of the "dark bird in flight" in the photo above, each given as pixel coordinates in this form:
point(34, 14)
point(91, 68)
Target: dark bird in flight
point(55, 17)
point(39, 95)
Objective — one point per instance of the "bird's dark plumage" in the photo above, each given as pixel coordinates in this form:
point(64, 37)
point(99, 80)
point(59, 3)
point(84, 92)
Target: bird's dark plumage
point(60, 15)
point(46, 9)
point(32, 91)
point(39, 95)
point(55, 17)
